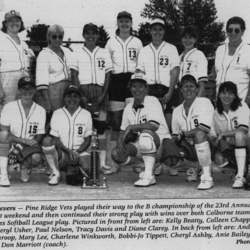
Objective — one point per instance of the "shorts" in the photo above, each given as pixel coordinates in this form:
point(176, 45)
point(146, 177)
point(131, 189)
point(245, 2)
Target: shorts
point(56, 91)
point(159, 91)
point(119, 87)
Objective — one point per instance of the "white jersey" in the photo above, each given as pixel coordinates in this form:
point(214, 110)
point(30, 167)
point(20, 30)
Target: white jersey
point(124, 54)
point(14, 57)
point(92, 66)
point(157, 63)
point(195, 64)
point(151, 112)
point(52, 69)
point(200, 115)
point(233, 68)
point(71, 130)
point(232, 120)
point(13, 116)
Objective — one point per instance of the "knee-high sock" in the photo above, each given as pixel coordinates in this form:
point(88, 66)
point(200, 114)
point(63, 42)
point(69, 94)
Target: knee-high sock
point(204, 157)
point(4, 152)
point(51, 156)
point(240, 155)
point(149, 161)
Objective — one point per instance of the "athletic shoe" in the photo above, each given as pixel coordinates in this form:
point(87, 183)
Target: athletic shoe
point(158, 169)
point(145, 180)
point(25, 174)
point(4, 180)
point(206, 183)
point(173, 171)
point(238, 182)
point(115, 169)
point(106, 171)
point(54, 179)
point(192, 174)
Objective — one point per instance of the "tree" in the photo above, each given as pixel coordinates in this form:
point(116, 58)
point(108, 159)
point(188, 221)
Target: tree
point(37, 33)
point(178, 14)
point(103, 37)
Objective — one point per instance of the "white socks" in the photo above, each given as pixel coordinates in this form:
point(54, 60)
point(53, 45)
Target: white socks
point(240, 155)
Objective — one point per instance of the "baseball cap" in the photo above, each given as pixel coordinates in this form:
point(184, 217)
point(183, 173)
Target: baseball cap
point(124, 14)
point(189, 78)
point(90, 26)
point(24, 81)
point(157, 21)
point(72, 88)
point(138, 76)
point(11, 14)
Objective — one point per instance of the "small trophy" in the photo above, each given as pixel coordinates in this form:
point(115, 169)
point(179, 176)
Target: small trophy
point(94, 161)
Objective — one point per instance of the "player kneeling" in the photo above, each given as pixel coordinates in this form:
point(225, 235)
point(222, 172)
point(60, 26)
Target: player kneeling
point(191, 123)
point(231, 124)
point(143, 128)
point(71, 129)
point(22, 125)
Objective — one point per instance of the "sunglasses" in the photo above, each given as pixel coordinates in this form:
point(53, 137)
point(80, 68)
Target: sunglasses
point(236, 30)
point(54, 37)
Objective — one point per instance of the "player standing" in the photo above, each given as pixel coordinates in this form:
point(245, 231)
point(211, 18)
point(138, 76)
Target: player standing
point(191, 123)
point(160, 62)
point(123, 48)
point(22, 127)
point(15, 57)
point(71, 129)
point(231, 125)
point(192, 60)
point(94, 67)
point(144, 122)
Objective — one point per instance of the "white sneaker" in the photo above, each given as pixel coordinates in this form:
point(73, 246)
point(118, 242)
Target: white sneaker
point(54, 179)
point(25, 174)
point(4, 180)
point(145, 180)
point(238, 182)
point(206, 183)
point(158, 169)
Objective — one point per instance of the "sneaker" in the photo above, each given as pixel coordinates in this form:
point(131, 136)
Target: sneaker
point(25, 174)
point(192, 174)
point(238, 182)
point(145, 180)
point(115, 169)
point(206, 183)
point(158, 169)
point(106, 171)
point(54, 179)
point(4, 180)
point(173, 171)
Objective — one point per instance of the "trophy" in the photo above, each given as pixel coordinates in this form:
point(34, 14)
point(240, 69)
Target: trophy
point(94, 161)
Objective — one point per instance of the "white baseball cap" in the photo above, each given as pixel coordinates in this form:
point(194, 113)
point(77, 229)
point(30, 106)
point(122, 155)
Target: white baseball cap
point(157, 21)
point(138, 76)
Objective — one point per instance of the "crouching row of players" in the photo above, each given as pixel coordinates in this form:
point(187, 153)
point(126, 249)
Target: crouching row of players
point(200, 134)
point(23, 129)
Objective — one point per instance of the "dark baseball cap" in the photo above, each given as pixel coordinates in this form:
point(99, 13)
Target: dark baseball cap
point(72, 88)
point(25, 81)
point(90, 26)
point(189, 78)
point(124, 14)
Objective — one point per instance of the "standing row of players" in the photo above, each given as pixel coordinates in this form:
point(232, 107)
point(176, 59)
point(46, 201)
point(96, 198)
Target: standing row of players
point(159, 61)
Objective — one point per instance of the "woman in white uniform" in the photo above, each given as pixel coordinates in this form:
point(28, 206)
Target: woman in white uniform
point(232, 59)
point(192, 60)
point(124, 49)
point(53, 73)
point(14, 56)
